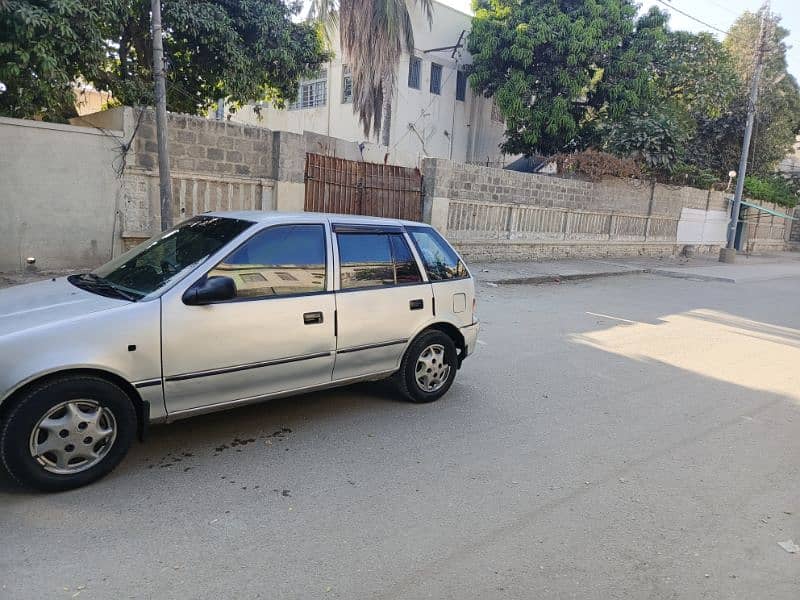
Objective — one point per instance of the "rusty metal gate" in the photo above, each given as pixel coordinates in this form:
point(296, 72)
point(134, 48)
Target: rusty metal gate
point(336, 185)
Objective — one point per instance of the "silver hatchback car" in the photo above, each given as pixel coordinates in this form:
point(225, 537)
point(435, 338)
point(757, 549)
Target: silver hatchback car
point(223, 310)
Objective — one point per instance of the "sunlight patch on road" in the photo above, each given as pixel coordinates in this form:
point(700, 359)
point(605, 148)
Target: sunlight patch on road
point(710, 343)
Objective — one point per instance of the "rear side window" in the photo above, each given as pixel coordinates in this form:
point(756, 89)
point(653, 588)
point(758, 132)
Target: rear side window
point(279, 261)
point(441, 261)
point(375, 260)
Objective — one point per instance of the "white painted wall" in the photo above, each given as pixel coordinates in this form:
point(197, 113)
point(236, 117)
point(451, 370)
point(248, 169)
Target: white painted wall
point(442, 126)
point(59, 195)
point(702, 227)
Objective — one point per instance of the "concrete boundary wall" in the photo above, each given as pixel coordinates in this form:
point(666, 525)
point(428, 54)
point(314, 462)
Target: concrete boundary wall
point(59, 194)
point(495, 214)
point(75, 195)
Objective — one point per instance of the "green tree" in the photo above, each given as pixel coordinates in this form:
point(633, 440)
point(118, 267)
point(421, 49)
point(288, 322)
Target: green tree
point(373, 34)
point(718, 140)
point(45, 45)
point(239, 49)
point(693, 79)
point(695, 73)
point(555, 68)
point(656, 139)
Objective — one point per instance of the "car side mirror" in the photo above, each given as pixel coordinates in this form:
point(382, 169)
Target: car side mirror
point(210, 290)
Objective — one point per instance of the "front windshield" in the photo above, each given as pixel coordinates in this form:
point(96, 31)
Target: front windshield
point(156, 262)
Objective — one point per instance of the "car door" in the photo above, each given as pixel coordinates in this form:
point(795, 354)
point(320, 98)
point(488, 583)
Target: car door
point(276, 335)
point(382, 299)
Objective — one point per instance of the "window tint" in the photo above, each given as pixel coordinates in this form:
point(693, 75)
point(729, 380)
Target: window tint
point(405, 266)
point(436, 78)
point(461, 85)
point(414, 68)
point(439, 258)
point(278, 261)
point(375, 259)
point(167, 256)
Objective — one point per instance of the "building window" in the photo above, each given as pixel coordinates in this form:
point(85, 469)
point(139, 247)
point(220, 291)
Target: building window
point(497, 116)
point(461, 85)
point(375, 260)
point(279, 261)
point(313, 92)
point(436, 78)
point(347, 85)
point(414, 70)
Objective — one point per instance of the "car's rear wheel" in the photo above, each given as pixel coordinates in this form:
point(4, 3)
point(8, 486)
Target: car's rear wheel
point(67, 432)
point(428, 367)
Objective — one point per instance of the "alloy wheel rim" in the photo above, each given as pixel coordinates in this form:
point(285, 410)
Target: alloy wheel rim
point(432, 370)
point(73, 436)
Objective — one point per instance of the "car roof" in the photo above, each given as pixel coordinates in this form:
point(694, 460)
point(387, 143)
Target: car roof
point(272, 216)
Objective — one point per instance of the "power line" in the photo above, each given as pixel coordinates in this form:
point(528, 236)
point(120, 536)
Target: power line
point(685, 14)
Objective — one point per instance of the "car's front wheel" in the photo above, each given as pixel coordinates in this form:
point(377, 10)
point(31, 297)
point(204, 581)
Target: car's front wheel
point(67, 432)
point(429, 367)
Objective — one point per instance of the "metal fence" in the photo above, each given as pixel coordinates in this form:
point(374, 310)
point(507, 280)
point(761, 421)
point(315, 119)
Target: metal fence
point(468, 221)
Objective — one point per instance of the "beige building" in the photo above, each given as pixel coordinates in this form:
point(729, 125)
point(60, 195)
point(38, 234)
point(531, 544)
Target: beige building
point(434, 111)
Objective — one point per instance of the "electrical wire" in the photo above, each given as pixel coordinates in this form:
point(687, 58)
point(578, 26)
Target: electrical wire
point(693, 18)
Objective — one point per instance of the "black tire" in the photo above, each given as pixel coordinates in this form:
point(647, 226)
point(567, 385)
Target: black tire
point(406, 377)
point(18, 426)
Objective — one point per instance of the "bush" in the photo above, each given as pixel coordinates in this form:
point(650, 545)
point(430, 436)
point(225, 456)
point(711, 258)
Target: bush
point(772, 188)
point(596, 165)
point(693, 176)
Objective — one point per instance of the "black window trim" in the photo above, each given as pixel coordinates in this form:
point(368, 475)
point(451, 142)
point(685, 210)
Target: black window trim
point(319, 224)
point(367, 229)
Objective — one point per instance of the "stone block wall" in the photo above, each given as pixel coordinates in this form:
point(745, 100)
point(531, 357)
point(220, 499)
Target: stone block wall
point(495, 214)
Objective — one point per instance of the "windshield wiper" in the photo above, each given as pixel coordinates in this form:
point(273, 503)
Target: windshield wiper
point(102, 286)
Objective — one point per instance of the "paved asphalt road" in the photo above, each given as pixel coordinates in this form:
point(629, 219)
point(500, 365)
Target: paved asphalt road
point(631, 437)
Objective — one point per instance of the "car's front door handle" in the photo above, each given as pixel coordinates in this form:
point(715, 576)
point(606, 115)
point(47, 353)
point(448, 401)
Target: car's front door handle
point(312, 318)
point(416, 304)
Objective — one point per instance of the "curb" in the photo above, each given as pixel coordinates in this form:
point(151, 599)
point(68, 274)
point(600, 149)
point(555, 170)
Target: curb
point(555, 278)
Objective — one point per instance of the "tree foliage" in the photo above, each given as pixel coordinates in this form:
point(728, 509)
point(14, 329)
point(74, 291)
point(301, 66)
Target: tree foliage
point(239, 49)
point(45, 45)
point(554, 66)
point(772, 188)
point(570, 75)
point(717, 142)
point(695, 73)
point(655, 139)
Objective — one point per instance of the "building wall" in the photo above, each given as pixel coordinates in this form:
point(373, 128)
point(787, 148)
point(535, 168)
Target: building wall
point(59, 194)
point(423, 124)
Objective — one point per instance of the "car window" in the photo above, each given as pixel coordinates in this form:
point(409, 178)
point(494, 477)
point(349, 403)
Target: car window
point(279, 261)
point(406, 267)
point(375, 259)
point(167, 256)
point(439, 258)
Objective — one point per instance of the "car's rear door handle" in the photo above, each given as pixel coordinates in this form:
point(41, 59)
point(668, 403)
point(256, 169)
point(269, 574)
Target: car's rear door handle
point(417, 304)
point(312, 318)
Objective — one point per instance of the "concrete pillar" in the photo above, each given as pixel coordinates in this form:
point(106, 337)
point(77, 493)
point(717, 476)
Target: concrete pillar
point(434, 212)
point(289, 196)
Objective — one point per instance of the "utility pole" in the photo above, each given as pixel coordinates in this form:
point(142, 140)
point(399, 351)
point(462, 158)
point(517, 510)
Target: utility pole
point(165, 185)
point(728, 254)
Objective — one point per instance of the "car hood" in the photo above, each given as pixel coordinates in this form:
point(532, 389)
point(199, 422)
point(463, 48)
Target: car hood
point(45, 302)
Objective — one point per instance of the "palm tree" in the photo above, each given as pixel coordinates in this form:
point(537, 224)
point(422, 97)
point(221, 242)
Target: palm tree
point(373, 35)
